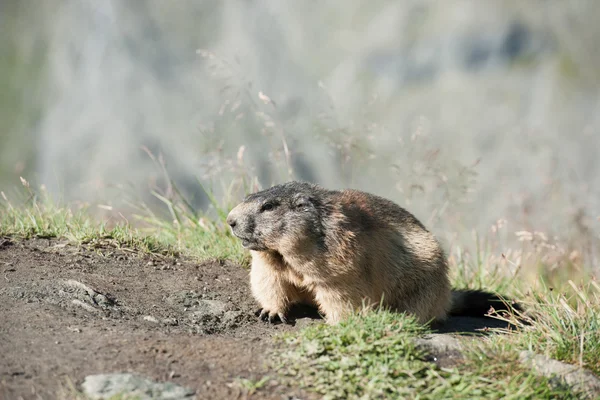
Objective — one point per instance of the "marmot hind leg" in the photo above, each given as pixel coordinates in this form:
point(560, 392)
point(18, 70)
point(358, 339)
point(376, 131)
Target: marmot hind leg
point(337, 305)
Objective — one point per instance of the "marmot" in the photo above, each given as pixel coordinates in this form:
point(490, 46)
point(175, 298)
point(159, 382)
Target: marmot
point(341, 251)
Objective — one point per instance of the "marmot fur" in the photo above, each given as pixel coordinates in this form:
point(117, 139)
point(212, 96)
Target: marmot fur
point(341, 251)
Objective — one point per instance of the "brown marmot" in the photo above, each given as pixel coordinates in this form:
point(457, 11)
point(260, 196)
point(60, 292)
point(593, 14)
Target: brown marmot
point(341, 251)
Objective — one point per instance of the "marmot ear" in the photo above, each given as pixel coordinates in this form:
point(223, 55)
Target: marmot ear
point(302, 201)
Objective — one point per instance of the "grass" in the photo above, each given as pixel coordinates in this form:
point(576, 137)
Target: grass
point(37, 216)
point(375, 356)
point(563, 314)
point(372, 355)
point(252, 386)
point(566, 325)
point(43, 221)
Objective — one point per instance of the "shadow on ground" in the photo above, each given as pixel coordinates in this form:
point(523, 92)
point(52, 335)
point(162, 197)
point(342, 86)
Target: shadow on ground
point(469, 325)
point(454, 325)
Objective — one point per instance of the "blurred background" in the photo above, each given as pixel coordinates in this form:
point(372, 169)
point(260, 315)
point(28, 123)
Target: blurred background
point(475, 115)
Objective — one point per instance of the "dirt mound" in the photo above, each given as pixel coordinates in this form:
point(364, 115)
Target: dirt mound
point(68, 312)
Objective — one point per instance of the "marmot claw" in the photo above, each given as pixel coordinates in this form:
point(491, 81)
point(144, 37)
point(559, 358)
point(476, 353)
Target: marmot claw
point(271, 316)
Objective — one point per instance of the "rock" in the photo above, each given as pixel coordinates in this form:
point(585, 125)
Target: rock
point(443, 349)
point(232, 317)
point(439, 343)
point(94, 295)
point(563, 373)
point(103, 386)
point(85, 306)
point(210, 316)
point(170, 321)
point(213, 307)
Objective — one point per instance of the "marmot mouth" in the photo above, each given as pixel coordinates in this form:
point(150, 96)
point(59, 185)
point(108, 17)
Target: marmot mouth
point(251, 244)
point(246, 241)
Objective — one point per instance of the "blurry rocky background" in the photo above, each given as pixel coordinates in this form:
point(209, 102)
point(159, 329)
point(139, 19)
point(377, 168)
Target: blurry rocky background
point(467, 112)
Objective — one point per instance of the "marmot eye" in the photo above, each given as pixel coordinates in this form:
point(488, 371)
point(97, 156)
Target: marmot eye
point(267, 207)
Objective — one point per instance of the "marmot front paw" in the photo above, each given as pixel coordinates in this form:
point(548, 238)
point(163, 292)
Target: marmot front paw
point(271, 316)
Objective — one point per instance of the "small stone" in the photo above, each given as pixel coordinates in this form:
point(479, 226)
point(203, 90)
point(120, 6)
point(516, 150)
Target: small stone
point(150, 318)
point(438, 343)
point(170, 321)
point(214, 307)
point(104, 386)
point(442, 349)
point(85, 306)
point(572, 375)
point(233, 318)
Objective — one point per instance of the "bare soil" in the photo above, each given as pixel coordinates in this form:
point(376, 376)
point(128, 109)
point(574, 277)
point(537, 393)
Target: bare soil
point(70, 311)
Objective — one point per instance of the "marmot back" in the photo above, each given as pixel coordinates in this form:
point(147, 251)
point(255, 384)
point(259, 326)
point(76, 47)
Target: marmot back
point(341, 251)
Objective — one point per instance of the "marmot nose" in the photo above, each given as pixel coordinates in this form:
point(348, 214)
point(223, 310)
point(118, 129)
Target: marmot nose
point(231, 222)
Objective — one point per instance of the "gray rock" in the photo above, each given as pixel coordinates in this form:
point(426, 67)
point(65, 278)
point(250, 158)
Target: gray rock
point(562, 373)
point(103, 386)
point(209, 310)
point(213, 307)
point(443, 349)
point(170, 321)
point(439, 343)
point(150, 318)
point(232, 318)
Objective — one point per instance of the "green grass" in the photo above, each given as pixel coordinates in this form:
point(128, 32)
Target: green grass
point(251, 386)
point(375, 356)
point(565, 326)
point(36, 215)
point(563, 316)
point(43, 221)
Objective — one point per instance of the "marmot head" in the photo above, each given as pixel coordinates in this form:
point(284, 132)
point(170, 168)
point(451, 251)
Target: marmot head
point(279, 218)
